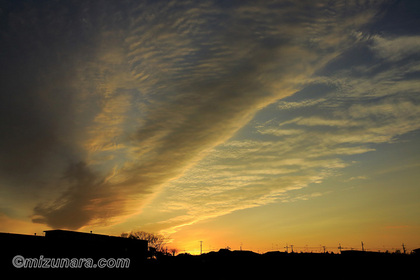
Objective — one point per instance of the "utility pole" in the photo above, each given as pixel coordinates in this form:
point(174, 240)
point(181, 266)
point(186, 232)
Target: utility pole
point(287, 248)
point(339, 247)
point(291, 247)
point(403, 245)
point(363, 248)
point(201, 247)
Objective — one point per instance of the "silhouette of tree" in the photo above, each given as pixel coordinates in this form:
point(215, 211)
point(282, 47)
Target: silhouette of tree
point(173, 251)
point(157, 241)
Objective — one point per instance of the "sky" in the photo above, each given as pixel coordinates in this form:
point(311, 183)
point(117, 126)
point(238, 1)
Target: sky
point(242, 124)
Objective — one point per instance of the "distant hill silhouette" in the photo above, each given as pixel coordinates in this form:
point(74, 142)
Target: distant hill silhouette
point(226, 264)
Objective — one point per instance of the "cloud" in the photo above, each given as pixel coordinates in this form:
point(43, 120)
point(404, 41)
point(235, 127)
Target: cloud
point(241, 174)
point(293, 105)
point(105, 104)
point(378, 122)
point(80, 203)
point(396, 48)
point(373, 101)
point(357, 178)
point(317, 121)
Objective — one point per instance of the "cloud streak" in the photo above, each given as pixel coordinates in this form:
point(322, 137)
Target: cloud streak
point(367, 103)
point(105, 104)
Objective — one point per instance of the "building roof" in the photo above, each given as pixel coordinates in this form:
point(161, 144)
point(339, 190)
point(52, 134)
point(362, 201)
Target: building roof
point(84, 236)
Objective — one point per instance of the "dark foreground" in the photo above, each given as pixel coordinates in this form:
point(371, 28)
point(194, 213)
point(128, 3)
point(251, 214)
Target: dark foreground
point(249, 265)
point(86, 254)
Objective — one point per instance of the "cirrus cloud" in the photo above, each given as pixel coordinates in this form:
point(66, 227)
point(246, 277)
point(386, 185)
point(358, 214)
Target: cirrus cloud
point(105, 103)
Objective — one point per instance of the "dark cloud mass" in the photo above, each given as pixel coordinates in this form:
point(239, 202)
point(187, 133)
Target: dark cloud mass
point(44, 48)
point(103, 102)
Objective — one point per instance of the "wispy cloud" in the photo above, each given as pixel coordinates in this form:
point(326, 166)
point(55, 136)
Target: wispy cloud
point(395, 48)
point(111, 102)
point(293, 105)
point(243, 174)
point(371, 103)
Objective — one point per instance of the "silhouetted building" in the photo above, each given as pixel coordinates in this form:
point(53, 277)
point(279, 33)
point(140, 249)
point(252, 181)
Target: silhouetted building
point(71, 244)
point(82, 244)
point(416, 252)
point(20, 244)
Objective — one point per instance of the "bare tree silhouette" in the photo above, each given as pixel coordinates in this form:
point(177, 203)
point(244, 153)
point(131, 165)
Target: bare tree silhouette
point(173, 251)
point(156, 241)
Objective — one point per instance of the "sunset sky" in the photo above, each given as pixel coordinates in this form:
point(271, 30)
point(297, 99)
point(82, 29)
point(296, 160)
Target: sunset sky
point(250, 124)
